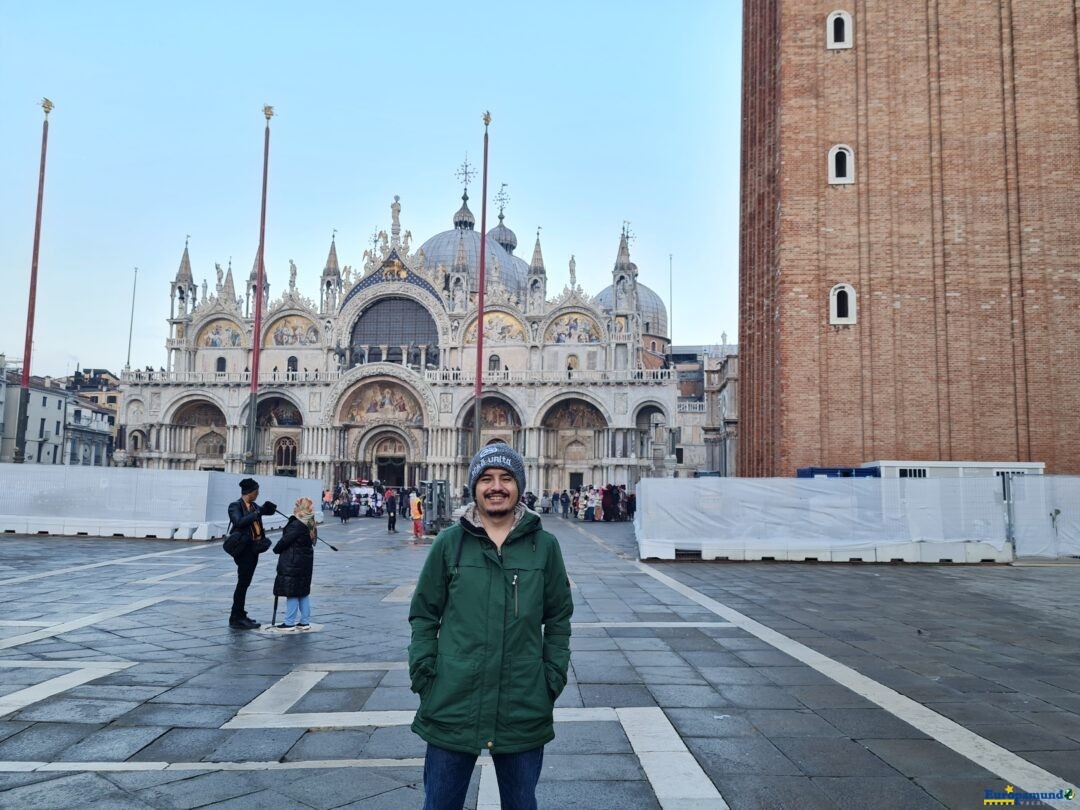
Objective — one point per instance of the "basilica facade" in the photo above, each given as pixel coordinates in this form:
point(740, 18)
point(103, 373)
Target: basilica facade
point(376, 378)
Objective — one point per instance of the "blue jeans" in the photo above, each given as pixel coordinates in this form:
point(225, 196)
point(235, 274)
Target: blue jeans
point(447, 775)
point(295, 604)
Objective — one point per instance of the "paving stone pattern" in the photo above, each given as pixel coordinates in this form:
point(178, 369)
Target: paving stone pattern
point(995, 649)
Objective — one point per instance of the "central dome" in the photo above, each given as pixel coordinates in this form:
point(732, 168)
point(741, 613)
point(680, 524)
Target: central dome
point(443, 249)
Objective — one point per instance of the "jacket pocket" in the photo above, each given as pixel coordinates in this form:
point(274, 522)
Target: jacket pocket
point(531, 702)
point(451, 699)
point(556, 680)
point(525, 593)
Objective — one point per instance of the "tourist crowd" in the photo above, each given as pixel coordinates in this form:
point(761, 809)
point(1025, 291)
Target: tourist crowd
point(610, 503)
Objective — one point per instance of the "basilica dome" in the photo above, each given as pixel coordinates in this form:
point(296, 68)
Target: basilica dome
point(443, 249)
point(507, 239)
point(649, 306)
point(504, 236)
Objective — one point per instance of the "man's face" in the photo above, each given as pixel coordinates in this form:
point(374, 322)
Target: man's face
point(496, 493)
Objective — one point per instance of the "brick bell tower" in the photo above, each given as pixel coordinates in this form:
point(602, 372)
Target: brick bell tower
point(909, 244)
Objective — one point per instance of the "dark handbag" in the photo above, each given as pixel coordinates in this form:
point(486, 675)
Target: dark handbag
point(262, 545)
point(232, 541)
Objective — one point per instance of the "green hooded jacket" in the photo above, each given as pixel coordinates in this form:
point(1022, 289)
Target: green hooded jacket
point(486, 675)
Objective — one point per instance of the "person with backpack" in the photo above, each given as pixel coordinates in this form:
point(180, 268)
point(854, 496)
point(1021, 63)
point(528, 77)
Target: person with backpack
point(490, 649)
point(245, 519)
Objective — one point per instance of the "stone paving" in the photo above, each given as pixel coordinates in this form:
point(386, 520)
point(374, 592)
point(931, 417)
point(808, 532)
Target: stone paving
point(693, 685)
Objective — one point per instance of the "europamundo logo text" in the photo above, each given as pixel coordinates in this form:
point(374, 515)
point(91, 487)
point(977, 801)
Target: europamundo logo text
point(1010, 796)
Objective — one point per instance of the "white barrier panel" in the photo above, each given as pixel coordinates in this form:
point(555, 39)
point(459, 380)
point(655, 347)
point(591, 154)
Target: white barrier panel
point(1046, 515)
point(132, 502)
point(825, 519)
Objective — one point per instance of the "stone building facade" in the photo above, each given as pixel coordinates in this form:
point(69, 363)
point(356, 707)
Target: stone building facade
point(62, 427)
point(910, 248)
point(375, 378)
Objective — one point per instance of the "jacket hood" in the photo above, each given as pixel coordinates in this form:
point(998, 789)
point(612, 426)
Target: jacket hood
point(524, 520)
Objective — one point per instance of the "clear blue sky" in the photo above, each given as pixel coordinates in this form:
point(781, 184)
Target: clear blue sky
point(603, 111)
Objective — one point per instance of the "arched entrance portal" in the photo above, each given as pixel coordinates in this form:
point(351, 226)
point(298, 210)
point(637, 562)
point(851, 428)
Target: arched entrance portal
point(384, 423)
point(199, 434)
point(574, 435)
point(499, 421)
point(389, 458)
point(653, 438)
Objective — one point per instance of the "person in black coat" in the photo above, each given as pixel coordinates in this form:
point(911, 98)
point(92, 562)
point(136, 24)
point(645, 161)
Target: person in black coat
point(246, 519)
point(391, 504)
point(296, 559)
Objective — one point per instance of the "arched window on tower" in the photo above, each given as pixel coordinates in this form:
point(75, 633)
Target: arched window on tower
point(219, 366)
point(842, 305)
point(292, 364)
point(841, 165)
point(494, 363)
point(838, 31)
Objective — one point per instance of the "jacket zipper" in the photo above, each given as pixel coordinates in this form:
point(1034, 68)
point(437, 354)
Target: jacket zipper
point(515, 584)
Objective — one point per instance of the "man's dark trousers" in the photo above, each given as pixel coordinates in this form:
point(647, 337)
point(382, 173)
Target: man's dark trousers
point(391, 521)
point(245, 570)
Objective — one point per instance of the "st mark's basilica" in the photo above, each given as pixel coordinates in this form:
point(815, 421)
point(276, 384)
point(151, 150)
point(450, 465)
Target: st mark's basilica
point(376, 378)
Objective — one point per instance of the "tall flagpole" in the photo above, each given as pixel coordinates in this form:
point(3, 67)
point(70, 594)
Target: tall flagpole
point(131, 323)
point(480, 297)
point(24, 391)
point(252, 449)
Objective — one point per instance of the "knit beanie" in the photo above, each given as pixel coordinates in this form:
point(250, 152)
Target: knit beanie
point(500, 456)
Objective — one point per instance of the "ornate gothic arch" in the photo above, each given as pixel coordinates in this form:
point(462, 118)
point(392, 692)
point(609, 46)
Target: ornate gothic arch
point(218, 314)
point(267, 393)
point(599, 317)
point(284, 310)
point(466, 409)
point(169, 413)
point(544, 407)
point(650, 403)
point(503, 309)
point(350, 313)
point(358, 374)
point(363, 442)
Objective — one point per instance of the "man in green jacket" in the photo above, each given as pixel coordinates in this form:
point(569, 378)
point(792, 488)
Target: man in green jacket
point(490, 640)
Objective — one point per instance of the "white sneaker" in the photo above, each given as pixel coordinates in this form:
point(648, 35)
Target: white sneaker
point(285, 628)
point(303, 627)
